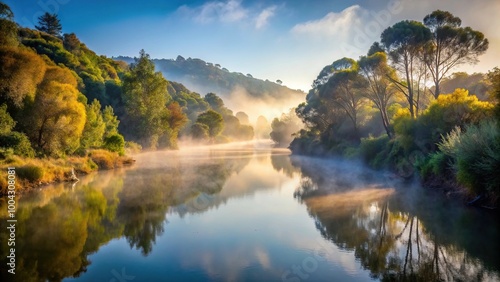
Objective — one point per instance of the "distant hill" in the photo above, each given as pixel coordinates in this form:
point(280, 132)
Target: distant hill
point(239, 90)
point(204, 77)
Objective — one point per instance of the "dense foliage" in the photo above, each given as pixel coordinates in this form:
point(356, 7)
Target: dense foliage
point(59, 98)
point(380, 108)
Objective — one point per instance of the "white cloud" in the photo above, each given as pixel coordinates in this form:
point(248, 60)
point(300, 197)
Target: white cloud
point(332, 24)
point(262, 19)
point(228, 11)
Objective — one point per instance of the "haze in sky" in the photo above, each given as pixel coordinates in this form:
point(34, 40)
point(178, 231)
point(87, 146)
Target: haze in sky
point(290, 40)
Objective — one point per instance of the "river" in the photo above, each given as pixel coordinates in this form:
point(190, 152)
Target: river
point(247, 212)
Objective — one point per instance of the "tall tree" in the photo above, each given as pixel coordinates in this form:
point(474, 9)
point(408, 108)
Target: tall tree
point(404, 42)
point(111, 121)
point(342, 88)
point(213, 120)
point(56, 118)
point(379, 90)
point(8, 28)
point(145, 97)
point(50, 24)
point(451, 45)
point(94, 129)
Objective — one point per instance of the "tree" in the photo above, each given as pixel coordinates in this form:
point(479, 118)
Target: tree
point(50, 24)
point(213, 120)
point(342, 87)
point(215, 102)
point(199, 131)
point(8, 28)
point(242, 117)
point(145, 97)
point(450, 45)
point(404, 42)
point(279, 81)
point(71, 43)
point(111, 121)
point(7, 123)
point(94, 129)
point(284, 127)
point(375, 48)
point(262, 127)
point(20, 73)
point(379, 90)
point(56, 119)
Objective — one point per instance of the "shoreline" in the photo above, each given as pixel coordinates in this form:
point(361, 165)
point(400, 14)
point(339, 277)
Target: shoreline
point(34, 173)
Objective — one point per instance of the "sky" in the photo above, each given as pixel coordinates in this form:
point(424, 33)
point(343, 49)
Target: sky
point(290, 40)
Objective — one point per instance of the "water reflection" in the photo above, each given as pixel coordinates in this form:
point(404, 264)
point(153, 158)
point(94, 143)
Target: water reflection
point(400, 234)
point(230, 214)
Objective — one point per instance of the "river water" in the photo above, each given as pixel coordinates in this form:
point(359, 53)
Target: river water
point(248, 213)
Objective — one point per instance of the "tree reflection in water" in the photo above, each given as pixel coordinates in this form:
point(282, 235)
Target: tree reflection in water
point(392, 231)
point(59, 228)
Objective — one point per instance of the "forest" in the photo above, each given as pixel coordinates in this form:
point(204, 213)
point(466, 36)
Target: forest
point(65, 109)
point(401, 108)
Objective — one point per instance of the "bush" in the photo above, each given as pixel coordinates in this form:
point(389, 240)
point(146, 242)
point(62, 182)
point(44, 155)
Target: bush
point(373, 150)
point(6, 153)
point(31, 173)
point(476, 157)
point(132, 147)
point(115, 143)
point(435, 164)
point(442, 116)
point(104, 159)
point(18, 142)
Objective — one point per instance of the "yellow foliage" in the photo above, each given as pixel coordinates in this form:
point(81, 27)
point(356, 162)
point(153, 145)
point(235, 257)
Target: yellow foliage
point(459, 107)
point(57, 118)
point(61, 75)
point(20, 73)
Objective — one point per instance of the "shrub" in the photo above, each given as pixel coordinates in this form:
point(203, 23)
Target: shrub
point(31, 173)
point(18, 142)
point(372, 150)
point(115, 143)
point(435, 164)
point(476, 156)
point(132, 147)
point(104, 159)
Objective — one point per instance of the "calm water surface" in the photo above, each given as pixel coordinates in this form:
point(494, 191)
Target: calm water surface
point(248, 213)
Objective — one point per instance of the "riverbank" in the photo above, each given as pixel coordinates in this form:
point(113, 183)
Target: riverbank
point(35, 172)
point(383, 154)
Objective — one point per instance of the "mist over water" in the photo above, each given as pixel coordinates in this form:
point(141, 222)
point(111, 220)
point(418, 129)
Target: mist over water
point(249, 212)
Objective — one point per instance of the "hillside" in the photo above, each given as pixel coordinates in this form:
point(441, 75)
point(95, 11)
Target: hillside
point(237, 89)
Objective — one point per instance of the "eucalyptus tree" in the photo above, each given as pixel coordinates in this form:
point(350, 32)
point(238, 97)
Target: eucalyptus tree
point(404, 42)
point(379, 89)
point(450, 45)
point(341, 85)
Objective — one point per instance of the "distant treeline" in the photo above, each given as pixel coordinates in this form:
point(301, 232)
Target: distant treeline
point(204, 76)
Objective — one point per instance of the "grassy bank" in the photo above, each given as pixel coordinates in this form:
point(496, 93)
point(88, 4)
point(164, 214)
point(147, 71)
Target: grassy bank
point(35, 172)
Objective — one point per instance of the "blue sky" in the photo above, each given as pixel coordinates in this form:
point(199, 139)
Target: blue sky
point(291, 40)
